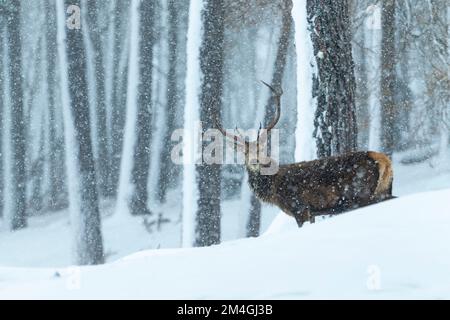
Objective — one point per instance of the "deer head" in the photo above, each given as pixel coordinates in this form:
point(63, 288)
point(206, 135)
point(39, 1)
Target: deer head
point(255, 152)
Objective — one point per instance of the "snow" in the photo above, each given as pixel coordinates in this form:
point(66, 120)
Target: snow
point(396, 249)
point(305, 148)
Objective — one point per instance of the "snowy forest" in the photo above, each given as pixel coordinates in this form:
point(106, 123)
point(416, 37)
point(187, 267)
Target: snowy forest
point(102, 103)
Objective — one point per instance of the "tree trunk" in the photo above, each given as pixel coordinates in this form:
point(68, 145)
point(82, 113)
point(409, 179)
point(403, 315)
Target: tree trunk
point(209, 176)
point(403, 96)
point(360, 52)
point(141, 163)
point(388, 81)
point(36, 173)
point(2, 111)
point(167, 173)
point(334, 85)
point(103, 159)
point(119, 95)
point(57, 193)
point(90, 244)
point(18, 170)
point(254, 220)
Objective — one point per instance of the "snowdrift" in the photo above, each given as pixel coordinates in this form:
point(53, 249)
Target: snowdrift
point(395, 249)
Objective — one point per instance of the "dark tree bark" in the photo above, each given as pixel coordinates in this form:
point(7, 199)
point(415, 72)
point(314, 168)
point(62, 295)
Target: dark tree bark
point(209, 176)
point(167, 168)
point(388, 78)
point(334, 85)
point(90, 244)
point(141, 165)
point(118, 97)
point(57, 198)
point(2, 110)
point(254, 221)
point(18, 170)
point(103, 159)
point(403, 94)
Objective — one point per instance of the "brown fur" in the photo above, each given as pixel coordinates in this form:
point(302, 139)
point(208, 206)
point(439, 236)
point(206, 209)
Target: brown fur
point(385, 172)
point(326, 186)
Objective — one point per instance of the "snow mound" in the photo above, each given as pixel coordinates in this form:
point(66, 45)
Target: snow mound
point(395, 249)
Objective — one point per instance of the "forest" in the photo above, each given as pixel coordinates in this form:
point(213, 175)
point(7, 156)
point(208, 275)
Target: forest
point(102, 103)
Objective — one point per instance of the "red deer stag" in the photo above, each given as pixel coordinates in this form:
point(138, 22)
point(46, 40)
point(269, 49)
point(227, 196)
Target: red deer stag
point(325, 186)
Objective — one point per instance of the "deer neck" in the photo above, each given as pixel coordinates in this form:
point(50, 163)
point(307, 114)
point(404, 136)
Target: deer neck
point(260, 184)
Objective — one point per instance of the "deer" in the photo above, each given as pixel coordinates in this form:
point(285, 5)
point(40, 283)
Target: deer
point(326, 186)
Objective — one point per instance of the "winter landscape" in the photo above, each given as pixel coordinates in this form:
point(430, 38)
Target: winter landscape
point(224, 149)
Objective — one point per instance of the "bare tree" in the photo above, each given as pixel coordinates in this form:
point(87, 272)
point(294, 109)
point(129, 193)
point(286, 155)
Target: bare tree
point(18, 170)
point(103, 159)
point(167, 170)
point(57, 194)
point(209, 176)
point(141, 163)
point(2, 110)
point(388, 81)
point(89, 244)
point(119, 90)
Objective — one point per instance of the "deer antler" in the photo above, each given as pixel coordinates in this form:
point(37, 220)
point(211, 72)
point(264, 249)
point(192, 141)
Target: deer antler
point(235, 138)
point(277, 95)
point(239, 138)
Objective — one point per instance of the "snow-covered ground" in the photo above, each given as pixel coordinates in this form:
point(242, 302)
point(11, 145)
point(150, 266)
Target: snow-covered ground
point(397, 249)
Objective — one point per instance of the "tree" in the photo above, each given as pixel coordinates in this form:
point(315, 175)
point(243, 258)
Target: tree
point(2, 110)
point(388, 79)
point(89, 243)
point(209, 175)
point(103, 159)
point(18, 170)
point(119, 90)
point(167, 168)
point(56, 198)
point(141, 163)
point(334, 85)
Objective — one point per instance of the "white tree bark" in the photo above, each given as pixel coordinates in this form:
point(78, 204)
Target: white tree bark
point(305, 145)
point(191, 118)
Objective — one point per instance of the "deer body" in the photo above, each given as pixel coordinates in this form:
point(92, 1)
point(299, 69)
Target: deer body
point(325, 186)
